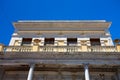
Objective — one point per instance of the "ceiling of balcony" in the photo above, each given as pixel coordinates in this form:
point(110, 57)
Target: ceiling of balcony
point(61, 26)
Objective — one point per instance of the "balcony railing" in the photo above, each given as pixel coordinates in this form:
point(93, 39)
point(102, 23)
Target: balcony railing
point(60, 49)
point(60, 52)
point(17, 49)
point(102, 49)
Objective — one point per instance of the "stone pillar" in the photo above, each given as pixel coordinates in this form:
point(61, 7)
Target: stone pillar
point(35, 48)
point(84, 48)
point(1, 47)
point(59, 77)
point(74, 77)
point(118, 47)
point(118, 74)
point(2, 72)
point(30, 74)
point(86, 72)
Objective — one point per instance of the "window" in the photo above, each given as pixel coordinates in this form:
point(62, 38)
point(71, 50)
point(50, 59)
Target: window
point(49, 41)
point(71, 41)
point(26, 41)
point(95, 42)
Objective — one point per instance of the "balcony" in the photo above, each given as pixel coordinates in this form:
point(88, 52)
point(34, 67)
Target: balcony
point(61, 54)
point(60, 49)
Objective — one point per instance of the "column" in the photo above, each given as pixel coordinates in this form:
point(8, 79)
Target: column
point(1, 47)
point(2, 72)
point(35, 48)
point(84, 48)
point(59, 75)
point(118, 74)
point(74, 77)
point(86, 72)
point(30, 74)
point(118, 47)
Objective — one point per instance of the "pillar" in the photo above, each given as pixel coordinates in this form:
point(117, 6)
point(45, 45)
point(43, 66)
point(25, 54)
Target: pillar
point(86, 72)
point(74, 77)
point(118, 47)
point(30, 74)
point(84, 48)
point(59, 75)
point(118, 74)
point(35, 48)
point(2, 72)
point(1, 47)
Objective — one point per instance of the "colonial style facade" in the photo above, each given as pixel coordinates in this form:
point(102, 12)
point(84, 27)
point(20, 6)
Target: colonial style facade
point(60, 50)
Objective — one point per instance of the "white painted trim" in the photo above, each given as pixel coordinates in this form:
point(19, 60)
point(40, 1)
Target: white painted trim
point(62, 21)
point(109, 41)
point(13, 39)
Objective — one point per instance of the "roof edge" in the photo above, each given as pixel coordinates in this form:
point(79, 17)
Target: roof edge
point(61, 21)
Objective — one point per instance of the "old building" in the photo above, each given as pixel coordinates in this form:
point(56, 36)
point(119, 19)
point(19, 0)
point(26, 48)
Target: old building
point(60, 50)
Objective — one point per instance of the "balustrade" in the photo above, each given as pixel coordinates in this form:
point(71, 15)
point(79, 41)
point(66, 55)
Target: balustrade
point(102, 49)
point(60, 49)
point(17, 49)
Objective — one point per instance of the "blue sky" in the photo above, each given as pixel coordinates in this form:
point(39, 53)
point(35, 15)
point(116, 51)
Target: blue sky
point(13, 10)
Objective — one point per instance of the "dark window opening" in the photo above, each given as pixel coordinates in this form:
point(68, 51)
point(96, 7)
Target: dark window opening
point(95, 42)
point(71, 41)
point(49, 41)
point(26, 41)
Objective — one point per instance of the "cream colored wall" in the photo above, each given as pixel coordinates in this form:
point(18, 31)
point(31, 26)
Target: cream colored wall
point(16, 41)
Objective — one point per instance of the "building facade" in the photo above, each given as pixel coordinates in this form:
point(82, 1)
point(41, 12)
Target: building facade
point(60, 50)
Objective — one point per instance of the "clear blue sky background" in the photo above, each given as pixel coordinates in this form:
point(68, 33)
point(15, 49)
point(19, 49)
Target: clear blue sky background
point(13, 10)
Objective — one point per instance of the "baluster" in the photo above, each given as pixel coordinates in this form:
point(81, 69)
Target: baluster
point(73, 49)
point(70, 49)
point(52, 48)
point(43, 49)
point(22, 49)
point(26, 49)
point(47, 49)
point(105, 48)
point(100, 49)
point(110, 49)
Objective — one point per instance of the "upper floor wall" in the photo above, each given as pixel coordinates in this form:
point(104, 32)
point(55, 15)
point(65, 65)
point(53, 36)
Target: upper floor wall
point(80, 31)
